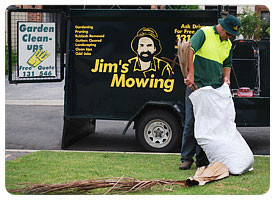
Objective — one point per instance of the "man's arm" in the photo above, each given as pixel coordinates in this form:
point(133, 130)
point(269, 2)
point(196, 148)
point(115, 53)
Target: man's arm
point(197, 41)
point(227, 68)
point(226, 74)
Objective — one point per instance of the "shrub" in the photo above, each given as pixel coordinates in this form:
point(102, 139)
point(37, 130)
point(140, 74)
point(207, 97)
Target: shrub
point(252, 25)
point(13, 58)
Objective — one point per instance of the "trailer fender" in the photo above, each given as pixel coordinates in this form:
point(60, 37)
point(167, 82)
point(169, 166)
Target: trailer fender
point(177, 108)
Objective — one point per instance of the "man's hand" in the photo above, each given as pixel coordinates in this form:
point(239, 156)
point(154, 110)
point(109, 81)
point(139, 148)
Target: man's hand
point(226, 80)
point(189, 80)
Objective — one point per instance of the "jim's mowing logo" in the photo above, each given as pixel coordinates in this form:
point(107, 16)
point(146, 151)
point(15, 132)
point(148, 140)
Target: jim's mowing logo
point(147, 69)
point(36, 49)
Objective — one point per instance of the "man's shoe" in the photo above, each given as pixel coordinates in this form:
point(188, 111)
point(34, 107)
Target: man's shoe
point(185, 165)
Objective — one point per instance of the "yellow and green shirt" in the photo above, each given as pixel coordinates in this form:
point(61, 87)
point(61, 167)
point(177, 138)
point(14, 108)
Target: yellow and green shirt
point(211, 55)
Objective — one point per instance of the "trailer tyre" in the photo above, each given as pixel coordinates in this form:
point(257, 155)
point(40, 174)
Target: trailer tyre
point(158, 131)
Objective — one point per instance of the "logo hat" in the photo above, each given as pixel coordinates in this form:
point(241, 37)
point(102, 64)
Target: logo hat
point(231, 24)
point(146, 32)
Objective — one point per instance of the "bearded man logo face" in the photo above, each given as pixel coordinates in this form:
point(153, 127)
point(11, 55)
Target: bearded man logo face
point(146, 49)
point(147, 46)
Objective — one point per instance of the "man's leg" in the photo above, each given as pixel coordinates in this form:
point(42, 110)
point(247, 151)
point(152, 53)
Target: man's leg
point(201, 158)
point(188, 147)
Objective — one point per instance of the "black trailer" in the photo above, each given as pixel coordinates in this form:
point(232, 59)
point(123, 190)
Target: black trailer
point(103, 77)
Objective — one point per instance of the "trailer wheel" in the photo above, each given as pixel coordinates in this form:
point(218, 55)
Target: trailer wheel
point(158, 131)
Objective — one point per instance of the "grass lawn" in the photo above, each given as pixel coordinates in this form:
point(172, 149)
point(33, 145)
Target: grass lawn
point(61, 167)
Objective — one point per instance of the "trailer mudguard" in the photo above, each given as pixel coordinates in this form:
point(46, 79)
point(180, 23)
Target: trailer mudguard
point(76, 128)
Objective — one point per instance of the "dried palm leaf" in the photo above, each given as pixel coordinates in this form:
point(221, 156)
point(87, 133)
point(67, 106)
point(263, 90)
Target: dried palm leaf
point(183, 57)
point(214, 171)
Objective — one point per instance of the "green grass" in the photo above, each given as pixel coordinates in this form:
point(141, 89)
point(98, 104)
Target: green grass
point(61, 167)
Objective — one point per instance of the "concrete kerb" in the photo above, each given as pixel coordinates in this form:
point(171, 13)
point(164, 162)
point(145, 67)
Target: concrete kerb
point(35, 102)
point(32, 151)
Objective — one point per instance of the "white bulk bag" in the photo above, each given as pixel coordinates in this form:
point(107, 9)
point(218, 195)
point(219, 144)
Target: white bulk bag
point(215, 129)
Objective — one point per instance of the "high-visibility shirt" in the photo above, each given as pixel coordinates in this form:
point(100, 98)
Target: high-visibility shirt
point(211, 55)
